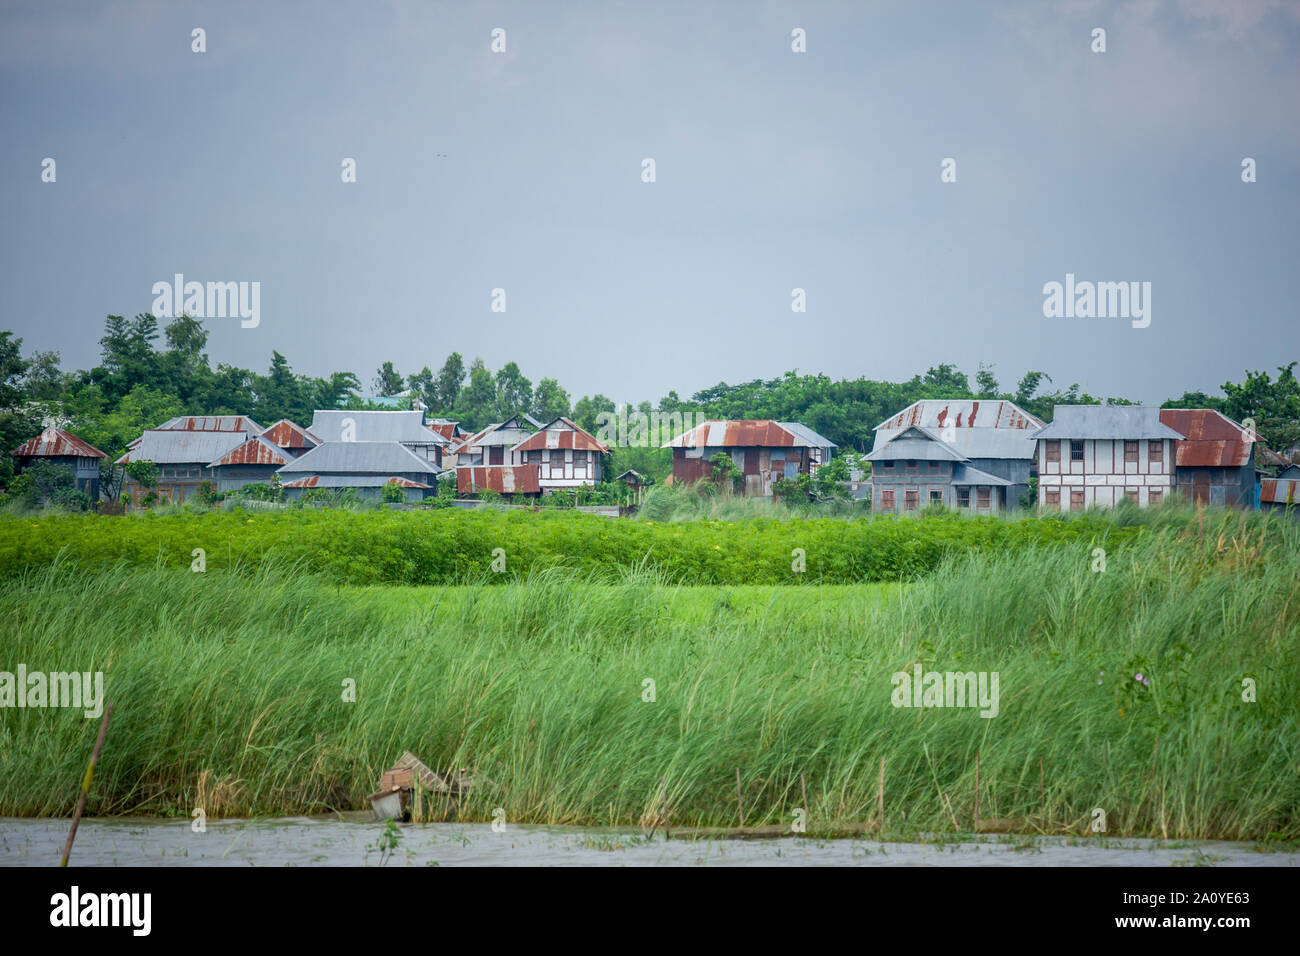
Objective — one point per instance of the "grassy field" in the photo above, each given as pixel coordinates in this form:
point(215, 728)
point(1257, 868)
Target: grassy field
point(452, 546)
point(228, 691)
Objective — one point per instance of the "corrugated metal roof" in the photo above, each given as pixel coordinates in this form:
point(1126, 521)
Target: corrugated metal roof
point(977, 428)
point(444, 427)
point(937, 413)
point(255, 451)
point(1279, 491)
point(505, 479)
point(404, 426)
point(359, 457)
point(172, 446)
point(747, 433)
point(1210, 440)
point(811, 438)
point(1107, 421)
point(923, 444)
point(501, 433)
point(967, 475)
point(287, 434)
point(562, 433)
point(212, 423)
point(56, 443)
point(351, 481)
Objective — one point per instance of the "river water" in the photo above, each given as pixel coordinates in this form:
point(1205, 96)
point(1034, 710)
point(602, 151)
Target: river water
point(303, 841)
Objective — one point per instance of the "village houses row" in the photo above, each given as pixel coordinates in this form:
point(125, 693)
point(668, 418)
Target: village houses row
point(975, 455)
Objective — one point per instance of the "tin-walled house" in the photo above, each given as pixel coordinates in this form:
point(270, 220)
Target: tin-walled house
point(971, 454)
point(1283, 492)
point(567, 456)
point(184, 458)
point(1214, 461)
point(64, 448)
point(365, 466)
point(486, 460)
point(763, 450)
point(1099, 455)
point(254, 462)
point(406, 427)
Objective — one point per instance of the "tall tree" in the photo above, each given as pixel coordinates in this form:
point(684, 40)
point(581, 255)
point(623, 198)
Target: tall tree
point(477, 402)
point(514, 392)
point(387, 380)
point(550, 401)
point(446, 390)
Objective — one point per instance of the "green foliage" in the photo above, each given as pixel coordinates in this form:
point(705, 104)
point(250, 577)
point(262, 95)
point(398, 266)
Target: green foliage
point(724, 473)
point(144, 472)
point(393, 492)
point(46, 484)
point(444, 546)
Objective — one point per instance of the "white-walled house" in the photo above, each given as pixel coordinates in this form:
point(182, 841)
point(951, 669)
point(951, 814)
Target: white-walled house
point(1098, 455)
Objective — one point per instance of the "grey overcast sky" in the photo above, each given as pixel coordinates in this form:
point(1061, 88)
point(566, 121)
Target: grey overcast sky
point(774, 170)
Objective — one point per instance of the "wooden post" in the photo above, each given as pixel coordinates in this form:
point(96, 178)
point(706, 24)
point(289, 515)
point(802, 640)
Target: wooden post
point(803, 787)
point(740, 803)
point(85, 784)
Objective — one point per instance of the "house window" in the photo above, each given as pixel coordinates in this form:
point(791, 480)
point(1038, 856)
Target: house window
point(1076, 449)
point(557, 459)
point(1131, 494)
point(887, 500)
point(1053, 497)
point(535, 457)
point(1155, 452)
point(1054, 451)
point(1076, 499)
point(1131, 452)
point(936, 497)
point(963, 497)
point(886, 466)
point(497, 455)
point(911, 466)
point(910, 500)
point(982, 498)
point(1154, 495)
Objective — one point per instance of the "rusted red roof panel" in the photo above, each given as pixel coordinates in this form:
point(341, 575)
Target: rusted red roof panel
point(55, 442)
point(1279, 491)
point(505, 479)
point(446, 429)
point(287, 434)
point(736, 433)
point(1211, 440)
point(570, 436)
point(253, 452)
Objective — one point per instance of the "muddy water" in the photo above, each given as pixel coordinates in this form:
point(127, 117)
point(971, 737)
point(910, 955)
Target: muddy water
point(331, 842)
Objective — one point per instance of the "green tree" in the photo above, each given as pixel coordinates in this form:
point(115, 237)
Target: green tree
point(477, 402)
point(514, 392)
point(446, 390)
point(586, 410)
point(550, 401)
point(387, 380)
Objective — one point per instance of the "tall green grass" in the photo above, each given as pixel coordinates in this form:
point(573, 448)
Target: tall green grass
point(227, 690)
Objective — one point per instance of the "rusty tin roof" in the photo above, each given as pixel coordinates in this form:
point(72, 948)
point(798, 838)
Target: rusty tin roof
point(749, 433)
point(287, 434)
point(1211, 440)
point(505, 479)
point(255, 451)
point(562, 433)
point(56, 443)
